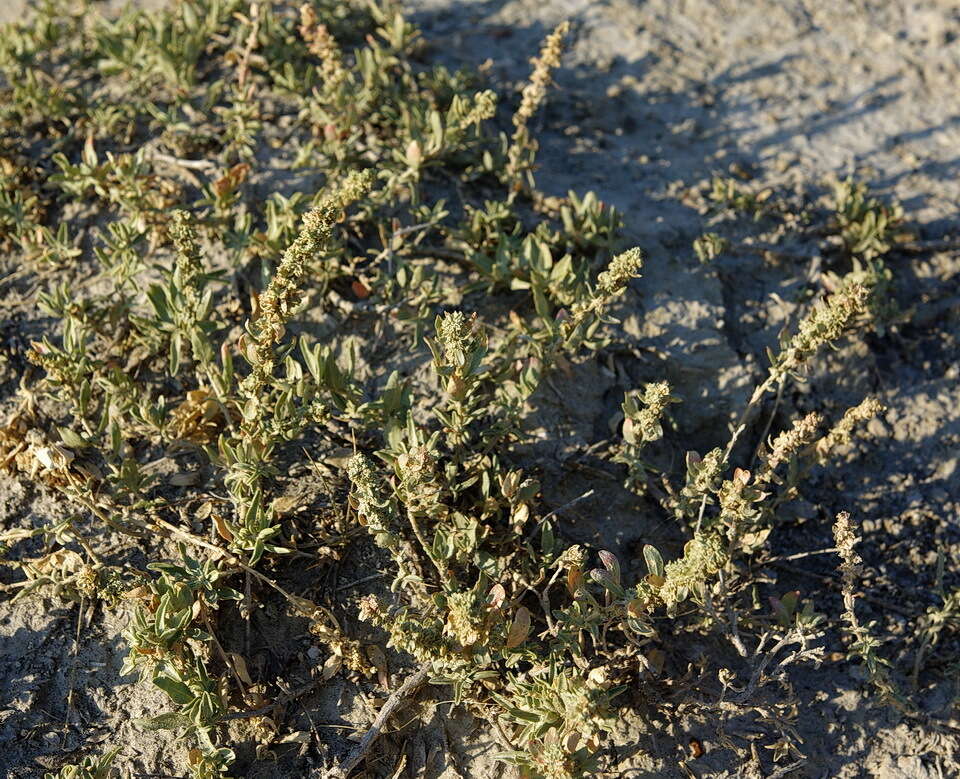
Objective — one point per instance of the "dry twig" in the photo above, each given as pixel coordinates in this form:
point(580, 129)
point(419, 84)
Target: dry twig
point(409, 686)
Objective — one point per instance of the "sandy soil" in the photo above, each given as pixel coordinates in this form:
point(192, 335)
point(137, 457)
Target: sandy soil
point(653, 99)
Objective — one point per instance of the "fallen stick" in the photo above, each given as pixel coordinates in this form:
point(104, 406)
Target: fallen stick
point(409, 686)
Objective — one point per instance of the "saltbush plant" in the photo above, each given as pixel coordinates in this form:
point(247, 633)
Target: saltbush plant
point(187, 309)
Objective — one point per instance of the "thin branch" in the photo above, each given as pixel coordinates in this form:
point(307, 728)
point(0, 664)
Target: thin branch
point(556, 511)
point(183, 163)
point(798, 555)
point(784, 770)
point(364, 580)
point(409, 686)
point(299, 603)
point(766, 430)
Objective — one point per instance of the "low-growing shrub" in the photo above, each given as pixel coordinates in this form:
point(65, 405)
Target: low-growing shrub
point(190, 326)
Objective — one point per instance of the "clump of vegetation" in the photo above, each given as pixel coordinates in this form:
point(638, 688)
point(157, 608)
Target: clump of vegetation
point(88, 768)
point(855, 230)
point(410, 217)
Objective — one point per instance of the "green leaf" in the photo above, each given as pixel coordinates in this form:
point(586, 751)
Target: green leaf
point(443, 546)
point(179, 692)
point(169, 721)
point(175, 346)
point(654, 560)
point(542, 306)
point(548, 540)
point(71, 439)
